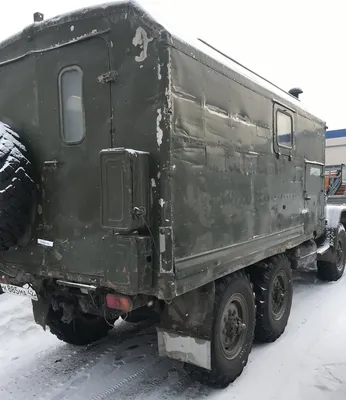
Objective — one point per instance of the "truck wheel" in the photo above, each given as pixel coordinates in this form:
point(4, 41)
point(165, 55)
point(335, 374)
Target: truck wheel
point(84, 329)
point(332, 271)
point(233, 331)
point(17, 189)
point(273, 289)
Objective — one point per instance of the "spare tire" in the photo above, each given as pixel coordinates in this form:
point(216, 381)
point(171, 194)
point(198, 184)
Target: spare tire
point(17, 189)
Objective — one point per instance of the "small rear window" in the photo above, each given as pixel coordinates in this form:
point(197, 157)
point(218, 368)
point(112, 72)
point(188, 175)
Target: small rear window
point(71, 105)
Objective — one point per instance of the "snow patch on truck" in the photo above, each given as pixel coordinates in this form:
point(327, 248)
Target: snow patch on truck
point(241, 120)
point(216, 111)
point(136, 152)
point(180, 94)
point(159, 132)
point(153, 183)
point(141, 39)
point(314, 162)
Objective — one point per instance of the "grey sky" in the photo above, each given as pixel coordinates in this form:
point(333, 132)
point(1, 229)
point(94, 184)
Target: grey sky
point(292, 43)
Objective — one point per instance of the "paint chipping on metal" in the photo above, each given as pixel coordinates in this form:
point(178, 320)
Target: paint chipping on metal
point(159, 76)
point(159, 132)
point(141, 39)
point(161, 202)
point(57, 255)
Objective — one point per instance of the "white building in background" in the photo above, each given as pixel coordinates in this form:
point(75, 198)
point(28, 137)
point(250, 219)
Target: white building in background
point(336, 147)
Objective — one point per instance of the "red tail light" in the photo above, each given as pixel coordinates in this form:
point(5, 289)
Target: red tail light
point(118, 302)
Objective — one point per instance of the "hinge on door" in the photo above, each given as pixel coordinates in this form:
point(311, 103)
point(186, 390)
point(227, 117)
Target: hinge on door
point(108, 77)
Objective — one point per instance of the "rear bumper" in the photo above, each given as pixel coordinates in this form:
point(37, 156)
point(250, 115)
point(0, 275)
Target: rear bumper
point(128, 269)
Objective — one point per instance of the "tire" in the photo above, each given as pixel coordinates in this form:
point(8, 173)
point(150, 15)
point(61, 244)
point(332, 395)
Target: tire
point(273, 289)
point(17, 189)
point(333, 270)
point(233, 293)
point(83, 330)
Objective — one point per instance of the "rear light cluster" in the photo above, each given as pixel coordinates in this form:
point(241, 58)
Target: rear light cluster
point(118, 302)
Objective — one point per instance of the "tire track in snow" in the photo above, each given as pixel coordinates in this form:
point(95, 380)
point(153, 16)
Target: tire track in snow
point(83, 374)
point(56, 367)
point(111, 390)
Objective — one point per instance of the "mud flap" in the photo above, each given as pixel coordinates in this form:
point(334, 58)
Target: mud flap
point(185, 329)
point(40, 309)
point(184, 348)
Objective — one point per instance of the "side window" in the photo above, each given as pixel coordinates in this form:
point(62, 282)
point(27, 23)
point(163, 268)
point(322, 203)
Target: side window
point(284, 129)
point(71, 105)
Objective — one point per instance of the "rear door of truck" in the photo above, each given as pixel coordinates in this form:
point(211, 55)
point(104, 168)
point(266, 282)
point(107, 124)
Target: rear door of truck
point(75, 125)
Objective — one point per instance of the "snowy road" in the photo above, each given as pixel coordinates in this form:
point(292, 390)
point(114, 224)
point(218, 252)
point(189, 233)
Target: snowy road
point(307, 362)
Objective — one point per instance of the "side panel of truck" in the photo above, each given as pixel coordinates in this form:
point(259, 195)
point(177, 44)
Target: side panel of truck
point(236, 191)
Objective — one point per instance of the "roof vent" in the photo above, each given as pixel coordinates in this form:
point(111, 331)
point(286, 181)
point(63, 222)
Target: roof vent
point(295, 92)
point(38, 17)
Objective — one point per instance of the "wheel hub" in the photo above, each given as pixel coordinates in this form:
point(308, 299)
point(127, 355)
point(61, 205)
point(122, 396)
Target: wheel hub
point(279, 295)
point(233, 328)
point(339, 256)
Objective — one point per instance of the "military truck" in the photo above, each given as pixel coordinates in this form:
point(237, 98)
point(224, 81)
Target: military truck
point(145, 174)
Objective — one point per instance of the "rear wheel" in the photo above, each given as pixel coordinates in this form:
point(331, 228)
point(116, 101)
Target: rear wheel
point(273, 289)
point(334, 269)
point(233, 330)
point(82, 330)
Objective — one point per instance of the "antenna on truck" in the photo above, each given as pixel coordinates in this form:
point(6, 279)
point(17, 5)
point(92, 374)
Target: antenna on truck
point(243, 66)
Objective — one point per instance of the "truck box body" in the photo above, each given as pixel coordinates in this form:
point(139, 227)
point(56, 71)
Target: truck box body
point(163, 165)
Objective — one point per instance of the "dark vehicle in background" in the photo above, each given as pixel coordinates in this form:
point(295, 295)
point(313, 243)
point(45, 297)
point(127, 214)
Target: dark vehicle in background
point(143, 175)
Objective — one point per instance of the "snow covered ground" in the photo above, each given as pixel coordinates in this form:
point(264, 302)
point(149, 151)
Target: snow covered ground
point(307, 362)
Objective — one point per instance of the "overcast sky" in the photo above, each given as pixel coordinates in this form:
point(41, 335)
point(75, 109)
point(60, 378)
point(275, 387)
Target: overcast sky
point(292, 43)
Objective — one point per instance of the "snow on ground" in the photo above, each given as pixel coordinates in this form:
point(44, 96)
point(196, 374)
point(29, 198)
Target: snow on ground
point(307, 362)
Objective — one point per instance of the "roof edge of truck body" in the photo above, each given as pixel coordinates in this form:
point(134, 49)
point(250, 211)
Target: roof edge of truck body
point(201, 49)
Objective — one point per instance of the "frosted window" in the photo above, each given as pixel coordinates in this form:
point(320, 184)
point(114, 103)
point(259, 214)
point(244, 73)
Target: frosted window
point(71, 105)
point(284, 129)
